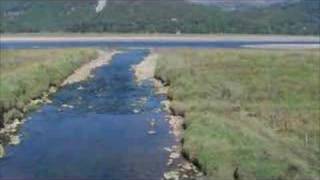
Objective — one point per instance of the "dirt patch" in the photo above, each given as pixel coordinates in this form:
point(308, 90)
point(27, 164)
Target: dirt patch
point(84, 71)
point(284, 46)
point(145, 69)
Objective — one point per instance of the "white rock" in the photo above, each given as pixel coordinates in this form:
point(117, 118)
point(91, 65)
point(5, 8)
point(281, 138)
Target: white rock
point(143, 100)
point(170, 161)
point(172, 175)
point(36, 102)
point(167, 149)
point(67, 106)
point(80, 88)
point(174, 155)
point(2, 152)
point(152, 132)
point(52, 89)
point(14, 140)
point(152, 122)
point(48, 101)
point(185, 176)
point(187, 166)
point(199, 174)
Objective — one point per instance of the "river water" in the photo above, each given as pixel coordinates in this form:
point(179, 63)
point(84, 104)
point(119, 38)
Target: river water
point(95, 129)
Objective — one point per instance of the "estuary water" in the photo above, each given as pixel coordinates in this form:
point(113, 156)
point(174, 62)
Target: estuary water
point(34, 44)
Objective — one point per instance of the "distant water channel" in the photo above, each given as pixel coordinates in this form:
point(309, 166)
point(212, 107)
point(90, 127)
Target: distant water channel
point(34, 44)
point(96, 129)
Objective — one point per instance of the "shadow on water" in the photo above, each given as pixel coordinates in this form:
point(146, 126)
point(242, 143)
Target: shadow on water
point(95, 129)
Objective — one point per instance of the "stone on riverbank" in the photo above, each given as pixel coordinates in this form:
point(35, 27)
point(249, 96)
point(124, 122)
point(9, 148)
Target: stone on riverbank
point(172, 175)
point(67, 106)
point(2, 152)
point(174, 155)
point(15, 140)
point(152, 132)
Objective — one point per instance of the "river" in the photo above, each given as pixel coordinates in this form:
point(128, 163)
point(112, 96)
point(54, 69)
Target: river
point(34, 44)
point(95, 129)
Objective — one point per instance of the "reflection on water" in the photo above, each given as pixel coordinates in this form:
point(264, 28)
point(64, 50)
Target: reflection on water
point(94, 130)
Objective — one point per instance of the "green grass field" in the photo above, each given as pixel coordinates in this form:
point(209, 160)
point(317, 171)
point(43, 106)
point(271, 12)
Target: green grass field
point(250, 114)
point(27, 74)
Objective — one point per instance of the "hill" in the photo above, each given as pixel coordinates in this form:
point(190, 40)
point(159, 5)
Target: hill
point(238, 4)
point(150, 16)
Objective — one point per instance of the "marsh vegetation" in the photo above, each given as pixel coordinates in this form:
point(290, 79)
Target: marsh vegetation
point(248, 113)
point(27, 75)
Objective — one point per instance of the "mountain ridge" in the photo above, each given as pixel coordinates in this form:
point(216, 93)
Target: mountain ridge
point(151, 16)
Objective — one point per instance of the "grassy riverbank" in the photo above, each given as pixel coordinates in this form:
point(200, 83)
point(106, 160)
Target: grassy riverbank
point(248, 113)
point(27, 74)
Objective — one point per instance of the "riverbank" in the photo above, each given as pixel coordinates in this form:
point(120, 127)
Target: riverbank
point(284, 46)
point(178, 166)
point(29, 77)
point(61, 37)
point(82, 73)
point(247, 113)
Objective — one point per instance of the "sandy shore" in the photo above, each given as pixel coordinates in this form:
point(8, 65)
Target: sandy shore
point(84, 71)
point(145, 69)
point(284, 46)
point(154, 37)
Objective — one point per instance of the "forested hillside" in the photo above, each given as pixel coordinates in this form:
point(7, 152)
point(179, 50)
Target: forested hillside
point(151, 16)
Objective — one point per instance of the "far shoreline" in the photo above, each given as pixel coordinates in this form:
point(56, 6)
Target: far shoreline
point(46, 37)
